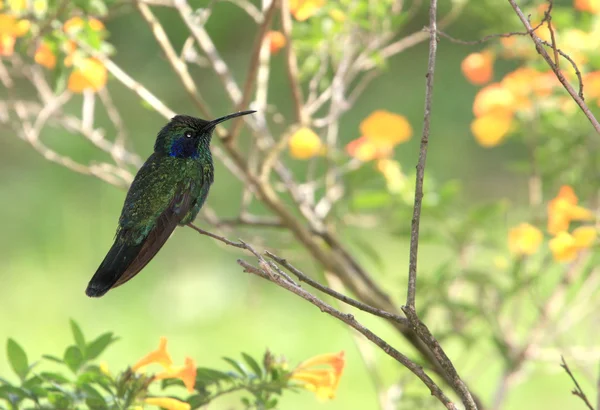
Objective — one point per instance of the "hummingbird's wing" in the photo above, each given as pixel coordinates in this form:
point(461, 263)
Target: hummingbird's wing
point(146, 223)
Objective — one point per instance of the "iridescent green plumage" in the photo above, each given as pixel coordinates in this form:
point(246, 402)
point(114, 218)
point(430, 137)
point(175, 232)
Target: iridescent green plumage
point(168, 190)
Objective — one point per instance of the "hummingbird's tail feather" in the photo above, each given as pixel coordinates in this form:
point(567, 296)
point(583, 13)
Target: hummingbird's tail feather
point(125, 260)
point(114, 265)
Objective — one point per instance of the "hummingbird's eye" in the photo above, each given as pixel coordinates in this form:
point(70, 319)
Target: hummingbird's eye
point(188, 134)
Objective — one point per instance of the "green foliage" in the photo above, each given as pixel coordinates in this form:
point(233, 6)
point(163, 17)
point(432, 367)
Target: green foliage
point(87, 385)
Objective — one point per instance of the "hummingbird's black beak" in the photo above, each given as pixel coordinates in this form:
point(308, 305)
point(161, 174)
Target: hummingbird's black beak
point(214, 123)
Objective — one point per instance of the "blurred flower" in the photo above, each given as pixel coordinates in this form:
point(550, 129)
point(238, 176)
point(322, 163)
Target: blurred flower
point(44, 56)
point(565, 247)
point(392, 172)
point(16, 5)
point(10, 29)
point(305, 144)
point(494, 99)
point(591, 82)
point(337, 15)
point(490, 129)
point(76, 23)
point(386, 129)
point(303, 9)
point(478, 68)
point(563, 209)
point(276, 41)
point(160, 356)
point(321, 374)
point(104, 368)
point(90, 73)
point(167, 403)
point(187, 374)
point(524, 239)
point(593, 6)
point(365, 150)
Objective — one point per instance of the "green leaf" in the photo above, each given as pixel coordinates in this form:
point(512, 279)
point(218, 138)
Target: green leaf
point(17, 358)
point(55, 378)
point(97, 346)
point(52, 358)
point(93, 399)
point(78, 336)
point(237, 366)
point(73, 358)
point(253, 364)
point(60, 400)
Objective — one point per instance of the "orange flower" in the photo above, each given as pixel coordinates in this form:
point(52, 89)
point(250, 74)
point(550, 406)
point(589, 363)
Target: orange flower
point(76, 23)
point(565, 247)
point(386, 129)
point(321, 374)
point(490, 129)
point(524, 239)
point(160, 356)
point(187, 374)
point(10, 29)
point(90, 73)
point(591, 81)
point(478, 68)
point(592, 6)
point(563, 209)
point(365, 150)
point(167, 403)
point(494, 98)
point(276, 41)
point(305, 144)
point(303, 9)
point(44, 56)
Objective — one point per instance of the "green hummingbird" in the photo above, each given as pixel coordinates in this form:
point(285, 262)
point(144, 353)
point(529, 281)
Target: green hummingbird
point(168, 190)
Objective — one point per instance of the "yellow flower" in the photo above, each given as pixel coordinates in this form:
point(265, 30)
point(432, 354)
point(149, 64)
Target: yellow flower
point(494, 99)
point(563, 209)
point(386, 129)
point(76, 23)
point(44, 56)
point(305, 144)
point(160, 356)
point(365, 150)
point(167, 403)
point(187, 374)
point(524, 239)
point(593, 6)
point(321, 374)
point(337, 15)
point(490, 129)
point(392, 172)
point(90, 73)
point(10, 29)
point(276, 41)
point(478, 68)
point(565, 247)
point(304, 9)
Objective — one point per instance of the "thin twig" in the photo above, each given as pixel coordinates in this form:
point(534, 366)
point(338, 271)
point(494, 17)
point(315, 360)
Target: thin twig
point(539, 46)
point(291, 62)
point(416, 218)
point(577, 391)
point(343, 298)
point(251, 77)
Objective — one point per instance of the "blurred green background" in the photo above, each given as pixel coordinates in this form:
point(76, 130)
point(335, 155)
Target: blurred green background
point(57, 227)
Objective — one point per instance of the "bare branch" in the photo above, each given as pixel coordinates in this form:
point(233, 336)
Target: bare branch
point(291, 62)
point(577, 391)
point(416, 218)
point(539, 46)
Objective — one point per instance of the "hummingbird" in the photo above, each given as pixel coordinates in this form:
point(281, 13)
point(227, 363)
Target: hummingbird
point(168, 190)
